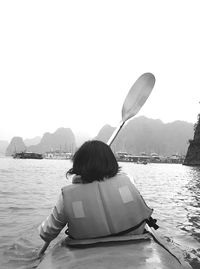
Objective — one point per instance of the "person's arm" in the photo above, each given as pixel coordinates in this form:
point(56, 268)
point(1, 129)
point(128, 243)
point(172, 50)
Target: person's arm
point(54, 223)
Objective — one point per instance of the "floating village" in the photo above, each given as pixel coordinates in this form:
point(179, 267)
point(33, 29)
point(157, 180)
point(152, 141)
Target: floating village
point(143, 158)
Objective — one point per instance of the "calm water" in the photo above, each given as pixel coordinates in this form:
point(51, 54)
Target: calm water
point(29, 189)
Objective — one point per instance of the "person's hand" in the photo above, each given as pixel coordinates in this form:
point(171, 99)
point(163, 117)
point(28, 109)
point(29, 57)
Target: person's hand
point(43, 249)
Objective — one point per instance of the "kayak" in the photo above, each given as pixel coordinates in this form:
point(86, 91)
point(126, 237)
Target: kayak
point(114, 252)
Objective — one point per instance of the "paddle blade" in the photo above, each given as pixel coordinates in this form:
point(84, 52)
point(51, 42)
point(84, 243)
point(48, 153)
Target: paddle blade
point(137, 95)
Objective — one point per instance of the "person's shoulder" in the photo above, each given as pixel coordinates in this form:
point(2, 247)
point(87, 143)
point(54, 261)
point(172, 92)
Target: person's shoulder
point(68, 187)
point(124, 175)
point(74, 181)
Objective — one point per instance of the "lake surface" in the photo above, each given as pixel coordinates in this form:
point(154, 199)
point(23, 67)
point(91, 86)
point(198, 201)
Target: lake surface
point(29, 189)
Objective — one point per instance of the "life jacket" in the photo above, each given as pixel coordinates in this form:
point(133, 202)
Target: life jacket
point(104, 208)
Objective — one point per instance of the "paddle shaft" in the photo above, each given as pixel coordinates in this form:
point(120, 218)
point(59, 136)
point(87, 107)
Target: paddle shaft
point(115, 133)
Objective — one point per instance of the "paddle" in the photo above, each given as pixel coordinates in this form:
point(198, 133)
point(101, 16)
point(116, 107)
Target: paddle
point(135, 99)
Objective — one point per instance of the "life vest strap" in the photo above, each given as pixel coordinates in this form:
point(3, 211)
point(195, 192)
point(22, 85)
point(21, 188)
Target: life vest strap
point(152, 223)
point(130, 229)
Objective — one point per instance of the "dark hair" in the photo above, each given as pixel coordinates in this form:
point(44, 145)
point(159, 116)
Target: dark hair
point(94, 161)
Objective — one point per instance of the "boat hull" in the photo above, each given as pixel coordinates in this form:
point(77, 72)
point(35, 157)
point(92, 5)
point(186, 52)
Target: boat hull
point(124, 252)
point(27, 155)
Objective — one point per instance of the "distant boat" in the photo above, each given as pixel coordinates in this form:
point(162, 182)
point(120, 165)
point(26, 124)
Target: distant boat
point(142, 162)
point(27, 155)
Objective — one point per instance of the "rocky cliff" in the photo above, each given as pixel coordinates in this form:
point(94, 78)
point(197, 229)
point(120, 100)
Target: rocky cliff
point(62, 139)
point(193, 152)
point(16, 145)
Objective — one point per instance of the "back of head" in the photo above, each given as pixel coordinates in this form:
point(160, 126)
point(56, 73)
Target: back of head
point(94, 161)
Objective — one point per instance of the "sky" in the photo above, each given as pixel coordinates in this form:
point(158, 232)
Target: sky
point(71, 63)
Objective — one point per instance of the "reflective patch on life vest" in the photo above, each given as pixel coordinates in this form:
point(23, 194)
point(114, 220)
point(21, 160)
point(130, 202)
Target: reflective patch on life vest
point(126, 194)
point(78, 209)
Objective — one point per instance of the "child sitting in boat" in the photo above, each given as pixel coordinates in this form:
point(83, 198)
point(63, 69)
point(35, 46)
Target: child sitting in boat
point(101, 201)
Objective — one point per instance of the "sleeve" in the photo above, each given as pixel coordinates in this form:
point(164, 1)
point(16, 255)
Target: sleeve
point(54, 223)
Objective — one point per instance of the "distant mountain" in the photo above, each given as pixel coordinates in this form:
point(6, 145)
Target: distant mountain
point(62, 139)
point(16, 145)
point(3, 145)
point(148, 135)
point(105, 133)
point(140, 134)
point(32, 141)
